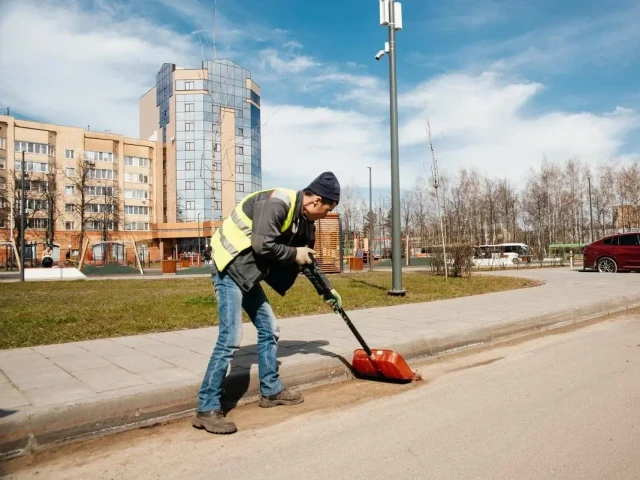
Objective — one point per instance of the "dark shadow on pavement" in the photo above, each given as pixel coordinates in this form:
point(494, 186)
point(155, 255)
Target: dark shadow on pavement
point(237, 381)
point(6, 413)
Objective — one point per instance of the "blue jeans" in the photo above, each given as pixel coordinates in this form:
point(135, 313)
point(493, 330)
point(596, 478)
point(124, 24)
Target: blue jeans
point(231, 300)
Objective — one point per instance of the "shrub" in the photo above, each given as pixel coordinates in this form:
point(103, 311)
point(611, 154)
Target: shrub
point(459, 261)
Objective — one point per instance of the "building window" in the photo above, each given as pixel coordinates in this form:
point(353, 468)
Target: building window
point(3, 163)
point(68, 190)
point(138, 194)
point(136, 178)
point(37, 223)
point(188, 107)
point(3, 143)
point(189, 146)
point(190, 205)
point(98, 190)
point(240, 131)
point(188, 126)
point(102, 174)
point(136, 210)
point(32, 166)
point(217, 166)
point(69, 226)
point(217, 147)
point(136, 226)
point(96, 225)
point(239, 168)
point(34, 204)
point(69, 207)
point(189, 165)
point(240, 150)
point(188, 85)
point(70, 172)
point(68, 153)
point(217, 205)
point(217, 186)
point(137, 161)
point(239, 113)
point(190, 185)
point(95, 156)
point(239, 187)
point(31, 147)
point(100, 208)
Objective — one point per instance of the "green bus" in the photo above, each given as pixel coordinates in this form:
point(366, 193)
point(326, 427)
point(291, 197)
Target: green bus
point(564, 250)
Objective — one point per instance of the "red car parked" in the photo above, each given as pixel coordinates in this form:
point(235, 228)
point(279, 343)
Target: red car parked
point(614, 253)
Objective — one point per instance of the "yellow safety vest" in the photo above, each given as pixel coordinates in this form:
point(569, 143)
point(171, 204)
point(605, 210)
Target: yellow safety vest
point(234, 235)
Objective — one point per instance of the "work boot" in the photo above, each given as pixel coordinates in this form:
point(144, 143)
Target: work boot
point(214, 421)
point(285, 397)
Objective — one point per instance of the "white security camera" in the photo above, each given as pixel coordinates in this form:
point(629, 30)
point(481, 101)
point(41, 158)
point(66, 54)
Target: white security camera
point(379, 55)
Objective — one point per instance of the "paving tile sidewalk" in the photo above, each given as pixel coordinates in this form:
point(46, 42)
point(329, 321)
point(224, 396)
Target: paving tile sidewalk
point(137, 377)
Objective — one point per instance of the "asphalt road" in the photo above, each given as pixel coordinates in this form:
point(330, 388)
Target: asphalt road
point(563, 406)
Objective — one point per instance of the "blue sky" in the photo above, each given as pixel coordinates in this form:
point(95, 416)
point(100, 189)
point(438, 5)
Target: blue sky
point(503, 83)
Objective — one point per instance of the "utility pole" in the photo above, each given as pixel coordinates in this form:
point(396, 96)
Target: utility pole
point(590, 209)
point(391, 16)
point(22, 219)
point(198, 238)
point(370, 225)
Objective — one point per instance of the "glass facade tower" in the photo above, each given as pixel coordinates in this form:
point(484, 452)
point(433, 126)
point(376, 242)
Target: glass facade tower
point(217, 136)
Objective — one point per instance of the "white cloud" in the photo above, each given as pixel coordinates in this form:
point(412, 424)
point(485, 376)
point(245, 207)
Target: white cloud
point(283, 64)
point(83, 68)
point(570, 43)
point(471, 14)
point(480, 121)
point(96, 75)
point(293, 45)
point(299, 142)
point(477, 122)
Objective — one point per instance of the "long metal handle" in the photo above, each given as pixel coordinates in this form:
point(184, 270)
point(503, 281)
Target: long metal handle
point(315, 271)
point(346, 319)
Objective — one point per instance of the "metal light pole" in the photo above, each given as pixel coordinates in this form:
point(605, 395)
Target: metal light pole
point(370, 225)
point(22, 219)
point(391, 16)
point(590, 208)
point(198, 238)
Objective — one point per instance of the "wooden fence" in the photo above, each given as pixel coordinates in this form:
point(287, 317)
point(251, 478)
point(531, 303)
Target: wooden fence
point(328, 243)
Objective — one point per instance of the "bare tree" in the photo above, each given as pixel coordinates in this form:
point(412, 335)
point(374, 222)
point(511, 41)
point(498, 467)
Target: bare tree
point(89, 202)
point(35, 204)
point(553, 207)
point(5, 203)
point(350, 204)
point(436, 184)
point(421, 208)
point(406, 214)
point(50, 195)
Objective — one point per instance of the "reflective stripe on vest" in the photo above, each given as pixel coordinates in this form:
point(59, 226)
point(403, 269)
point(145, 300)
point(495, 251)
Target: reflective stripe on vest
point(234, 235)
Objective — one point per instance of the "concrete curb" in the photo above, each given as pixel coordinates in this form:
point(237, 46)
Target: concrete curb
point(30, 431)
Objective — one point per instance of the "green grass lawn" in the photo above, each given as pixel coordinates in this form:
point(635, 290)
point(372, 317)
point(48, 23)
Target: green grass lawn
point(413, 262)
point(40, 313)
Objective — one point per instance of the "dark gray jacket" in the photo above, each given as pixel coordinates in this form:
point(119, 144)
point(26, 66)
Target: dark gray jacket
point(272, 254)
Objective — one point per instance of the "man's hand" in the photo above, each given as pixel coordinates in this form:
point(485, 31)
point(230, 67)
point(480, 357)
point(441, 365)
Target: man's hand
point(302, 255)
point(335, 300)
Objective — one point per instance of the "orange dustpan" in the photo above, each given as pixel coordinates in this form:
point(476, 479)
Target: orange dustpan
point(366, 362)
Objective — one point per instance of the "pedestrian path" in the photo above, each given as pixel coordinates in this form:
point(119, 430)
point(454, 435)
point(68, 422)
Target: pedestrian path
point(119, 380)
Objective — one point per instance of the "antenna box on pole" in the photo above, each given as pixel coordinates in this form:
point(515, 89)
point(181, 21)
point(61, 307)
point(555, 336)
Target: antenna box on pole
point(384, 12)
